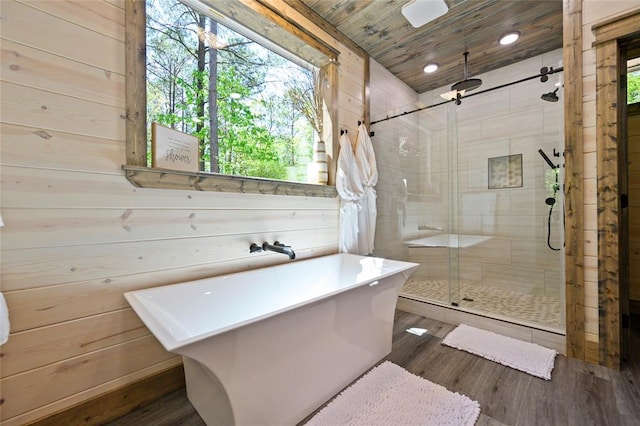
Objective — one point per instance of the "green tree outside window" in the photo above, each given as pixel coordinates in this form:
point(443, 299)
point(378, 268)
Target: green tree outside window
point(241, 100)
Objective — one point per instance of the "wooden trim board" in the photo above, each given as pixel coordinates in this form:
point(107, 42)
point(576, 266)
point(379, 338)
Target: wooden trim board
point(115, 404)
point(136, 82)
point(145, 177)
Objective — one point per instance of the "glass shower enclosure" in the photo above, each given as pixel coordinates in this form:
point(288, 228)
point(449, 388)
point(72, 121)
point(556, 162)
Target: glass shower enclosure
point(473, 192)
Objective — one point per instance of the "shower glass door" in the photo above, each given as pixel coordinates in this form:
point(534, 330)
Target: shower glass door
point(506, 175)
point(454, 205)
point(465, 191)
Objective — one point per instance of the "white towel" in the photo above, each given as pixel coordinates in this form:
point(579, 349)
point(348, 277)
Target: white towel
point(4, 321)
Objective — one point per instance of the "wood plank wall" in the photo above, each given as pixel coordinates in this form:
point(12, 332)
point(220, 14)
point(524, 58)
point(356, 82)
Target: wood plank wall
point(78, 235)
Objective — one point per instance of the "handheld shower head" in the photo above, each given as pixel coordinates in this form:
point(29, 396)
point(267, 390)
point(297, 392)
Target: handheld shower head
point(551, 96)
point(542, 153)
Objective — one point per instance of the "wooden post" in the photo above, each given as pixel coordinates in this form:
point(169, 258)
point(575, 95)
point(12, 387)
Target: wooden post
point(574, 200)
point(136, 82)
point(608, 211)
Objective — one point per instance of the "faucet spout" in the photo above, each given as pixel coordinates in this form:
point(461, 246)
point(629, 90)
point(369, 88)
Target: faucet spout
point(279, 248)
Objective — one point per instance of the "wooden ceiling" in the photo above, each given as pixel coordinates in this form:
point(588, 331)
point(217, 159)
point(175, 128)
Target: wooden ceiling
point(473, 26)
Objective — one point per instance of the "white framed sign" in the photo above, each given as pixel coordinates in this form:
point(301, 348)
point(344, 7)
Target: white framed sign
point(171, 149)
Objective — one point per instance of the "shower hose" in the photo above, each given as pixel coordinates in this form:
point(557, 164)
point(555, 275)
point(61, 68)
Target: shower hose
point(549, 227)
point(551, 201)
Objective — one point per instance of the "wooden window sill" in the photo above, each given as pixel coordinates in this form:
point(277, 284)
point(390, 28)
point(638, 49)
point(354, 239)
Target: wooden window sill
point(146, 177)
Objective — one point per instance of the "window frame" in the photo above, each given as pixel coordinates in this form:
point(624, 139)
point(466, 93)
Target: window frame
point(136, 170)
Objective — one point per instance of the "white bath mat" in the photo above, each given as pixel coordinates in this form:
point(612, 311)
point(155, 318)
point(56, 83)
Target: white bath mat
point(390, 395)
point(524, 356)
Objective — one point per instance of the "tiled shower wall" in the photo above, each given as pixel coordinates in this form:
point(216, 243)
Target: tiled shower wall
point(417, 150)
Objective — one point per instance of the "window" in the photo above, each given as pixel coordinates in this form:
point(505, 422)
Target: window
point(254, 118)
point(633, 81)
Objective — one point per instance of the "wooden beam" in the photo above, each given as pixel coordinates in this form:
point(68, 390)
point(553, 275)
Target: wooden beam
point(108, 407)
point(319, 21)
point(292, 38)
point(267, 10)
point(136, 82)
point(574, 197)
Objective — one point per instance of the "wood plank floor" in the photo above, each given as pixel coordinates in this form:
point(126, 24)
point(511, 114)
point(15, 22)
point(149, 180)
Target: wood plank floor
point(577, 394)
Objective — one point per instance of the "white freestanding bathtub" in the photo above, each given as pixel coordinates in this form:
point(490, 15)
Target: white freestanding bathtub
point(271, 345)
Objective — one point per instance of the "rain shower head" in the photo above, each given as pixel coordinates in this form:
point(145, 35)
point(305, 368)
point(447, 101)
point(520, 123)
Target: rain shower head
point(468, 83)
point(551, 96)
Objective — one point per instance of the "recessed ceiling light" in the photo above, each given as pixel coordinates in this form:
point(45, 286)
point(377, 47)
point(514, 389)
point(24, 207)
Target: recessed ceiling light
point(509, 38)
point(432, 67)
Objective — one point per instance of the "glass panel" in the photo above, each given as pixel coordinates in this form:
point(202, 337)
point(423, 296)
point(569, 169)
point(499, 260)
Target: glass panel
point(453, 236)
point(223, 102)
point(509, 211)
point(413, 198)
point(466, 192)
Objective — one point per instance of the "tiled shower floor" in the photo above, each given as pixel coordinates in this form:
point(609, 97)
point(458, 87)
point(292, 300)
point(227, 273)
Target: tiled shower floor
point(530, 308)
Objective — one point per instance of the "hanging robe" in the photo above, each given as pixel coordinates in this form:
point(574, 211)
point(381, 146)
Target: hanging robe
point(350, 189)
point(366, 162)
point(4, 313)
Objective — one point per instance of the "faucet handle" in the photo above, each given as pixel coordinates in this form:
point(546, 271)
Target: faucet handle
point(279, 244)
point(254, 248)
